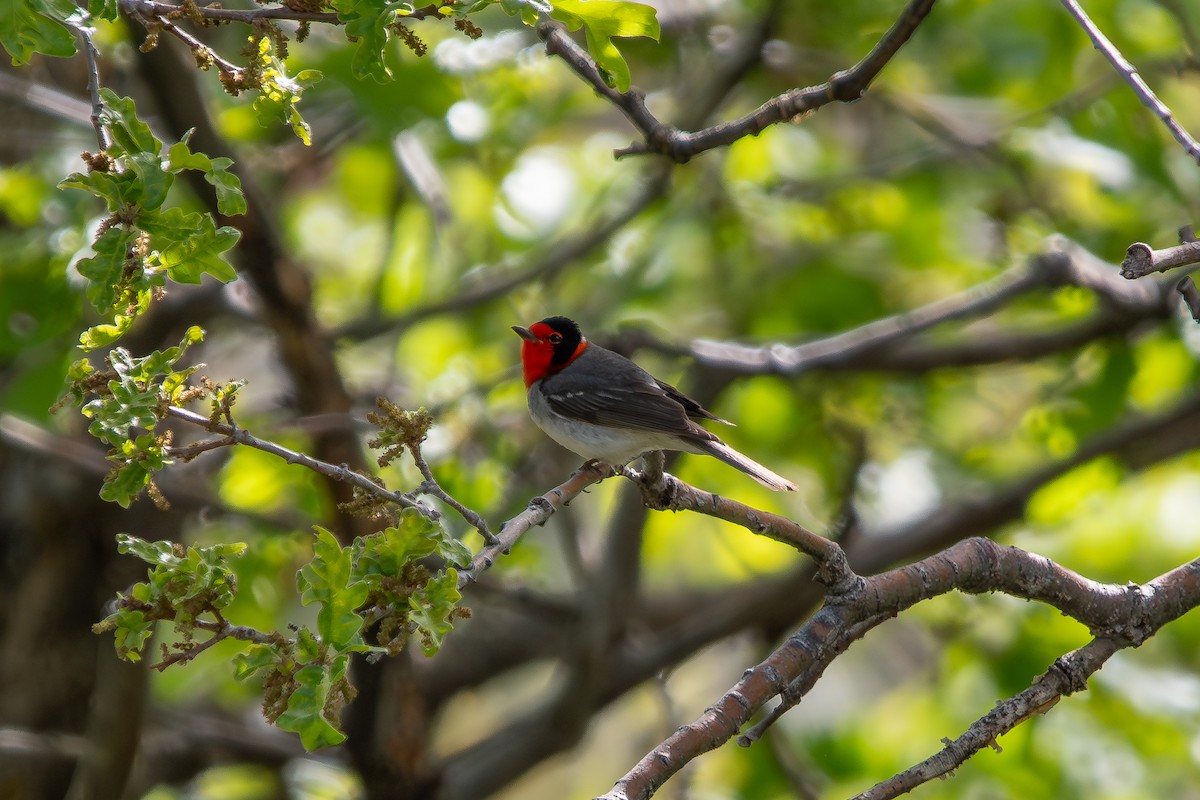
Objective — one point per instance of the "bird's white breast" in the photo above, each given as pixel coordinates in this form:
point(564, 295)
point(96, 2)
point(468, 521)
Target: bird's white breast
point(615, 446)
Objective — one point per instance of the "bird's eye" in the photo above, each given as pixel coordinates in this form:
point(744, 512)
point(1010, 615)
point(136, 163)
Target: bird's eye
point(554, 338)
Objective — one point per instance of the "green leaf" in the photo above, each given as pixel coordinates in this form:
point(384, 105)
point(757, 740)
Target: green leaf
point(105, 270)
point(385, 554)
point(367, 23)
point(603, 20)
point(454, 551)
point(305, 713)
point(189, 246)
point(431, 610)
point(103, 335)
point(307, 646)
point(153, 181)
point(279, 96)
point(125, 484)
point(150, 552)
point(230, 200)
point(118, 190)
point(104, 9)
point(132, 632)
point(328, 580)
point(36, 26)
point(132, 399)
point(130, 135)
point(126, 406)
point(253, 660)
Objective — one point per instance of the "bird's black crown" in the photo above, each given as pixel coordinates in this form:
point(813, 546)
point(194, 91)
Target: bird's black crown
point(571, 337)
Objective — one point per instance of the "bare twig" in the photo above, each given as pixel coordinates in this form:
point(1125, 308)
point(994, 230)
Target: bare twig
point(1130, 73)
point(152, 8)
point(221, 630)
point(103, 138)
point(216, 13)
point(1065, 676)
point(679, 146)
point(1191, 296)
point(976, 301)
point(669, 493)
point(839, 641)
point(204, 54)
point(536, 513)
point(877, 343)
point(432, 487)
point(239, 435)
point(773, 606)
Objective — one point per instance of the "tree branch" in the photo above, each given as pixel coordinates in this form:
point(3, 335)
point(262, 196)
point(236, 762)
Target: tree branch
point(1125, 615)
point(1141, 259)
point(1130, 73)
point(1160, 601)
point(672, 494)
point(92, 55)
point(214, 12)
point(1191, 296)
point(235, 434)
point(221, 630)
point(889, 343)
point(537, 512)
point(203, 53)
point(680, 146)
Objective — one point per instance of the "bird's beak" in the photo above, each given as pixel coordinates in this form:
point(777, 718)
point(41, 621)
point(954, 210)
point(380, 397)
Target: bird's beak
point(524, 333)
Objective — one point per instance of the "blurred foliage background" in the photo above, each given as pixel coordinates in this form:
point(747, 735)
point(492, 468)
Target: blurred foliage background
point(479, 190)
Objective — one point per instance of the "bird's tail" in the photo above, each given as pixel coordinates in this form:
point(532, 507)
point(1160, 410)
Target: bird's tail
point(733, 458)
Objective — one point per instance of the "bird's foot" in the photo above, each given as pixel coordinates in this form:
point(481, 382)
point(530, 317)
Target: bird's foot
point(601, 468)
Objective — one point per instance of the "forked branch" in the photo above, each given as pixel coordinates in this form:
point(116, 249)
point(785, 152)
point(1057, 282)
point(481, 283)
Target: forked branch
point(1119, 616)
point(680, 146)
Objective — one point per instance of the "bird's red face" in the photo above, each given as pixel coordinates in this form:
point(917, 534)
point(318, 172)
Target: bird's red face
point(548, 346)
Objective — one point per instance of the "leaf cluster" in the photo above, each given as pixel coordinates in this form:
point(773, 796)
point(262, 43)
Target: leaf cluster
point(388, 582)
point(141, 243)
point(125, 402)
point(183, 585)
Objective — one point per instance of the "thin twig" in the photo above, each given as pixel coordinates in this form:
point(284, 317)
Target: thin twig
point(976, 301)
point(1146, 609)
point(1065, 676)
point(796, 691)
point(221, 630)
point(204, 54)
point(341, 473)
point(668, 493)
point(103, 138)
point(878, 344)
point(432, 487)
point(1191, 296)
point(152, 8)
point(1130, 73)
point(537, 512)
point(680, 146)
point(188, 452)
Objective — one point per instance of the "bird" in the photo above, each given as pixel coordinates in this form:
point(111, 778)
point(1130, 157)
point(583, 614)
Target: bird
point(604, 407)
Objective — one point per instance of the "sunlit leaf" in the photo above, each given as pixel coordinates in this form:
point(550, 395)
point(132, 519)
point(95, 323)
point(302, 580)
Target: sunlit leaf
point(604, 20)
point(327, 580)
point(36, 26)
